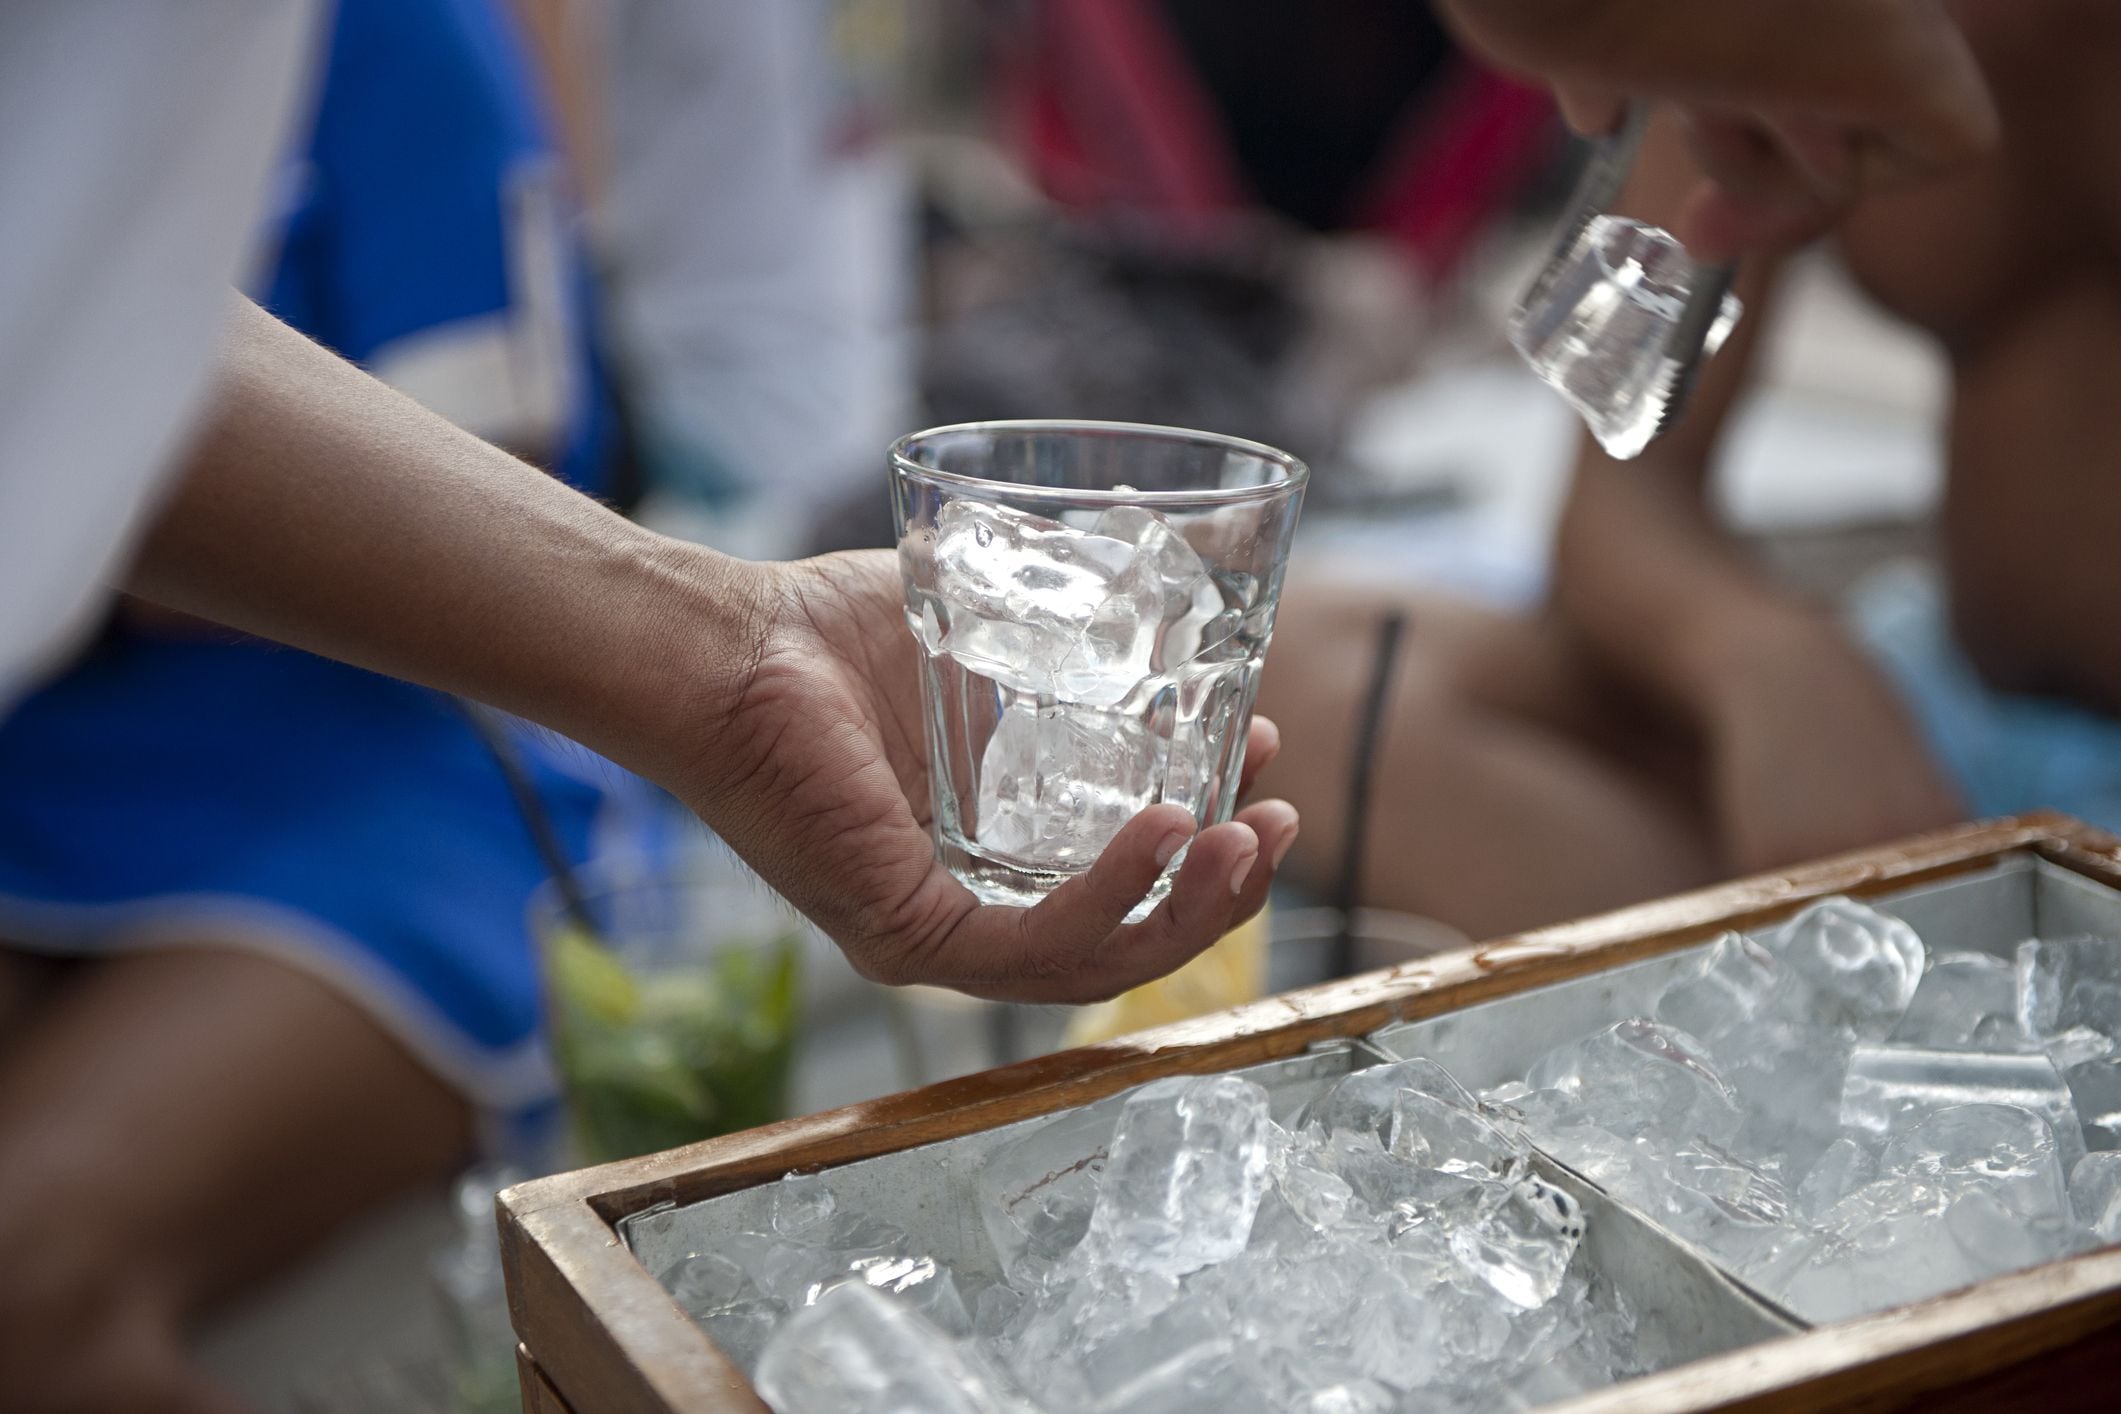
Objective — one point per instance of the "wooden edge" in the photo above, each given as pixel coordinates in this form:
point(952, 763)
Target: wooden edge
point(1896, 1359)
point(2087, 850)
point(638, 1351)
point(539, 1397)
point(632, 1352)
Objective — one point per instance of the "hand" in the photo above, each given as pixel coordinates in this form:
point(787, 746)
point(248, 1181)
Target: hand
point(781, 702)
point(819, 777)
point(1811, 753)
point(1797, 108)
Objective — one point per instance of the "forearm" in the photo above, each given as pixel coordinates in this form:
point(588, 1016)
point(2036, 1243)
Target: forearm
point(323, 510)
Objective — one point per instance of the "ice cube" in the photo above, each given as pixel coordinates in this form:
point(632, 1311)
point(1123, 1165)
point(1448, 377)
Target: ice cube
point(704, 1282)
point(719, 1294)
point(1845, 1167)
point(849, 1248)
point(1733, 983)
point(1082, 1306)
point(1382, 1185)
point(801, 1202)
point(1999, 1239)
point(1599, 1155)
point(2095, 1195)
point(1329, 1314)
point(1018, 590)
point(2072, 1048)
point(1596, 331)
point(1639, 1077)
point(1119, 1354)
point(1714, 1199)
point(2006, 1150)
point(1419, 1112)
point(1883, 1245)
point(2095, 1090)
point(855, 1352)
point(1187, 1170)
point(1357, 1396)
point(1036, 1192)
point(1179, 1359)
point(2042, 971)
point(1965, 1000)
point(1846, 964)
point(1591, 1342)
point(1890, 1089)
point(1789, 1078)
point(2094, 996)
point(1057, 782)
point(1309, 1202)
point(1522, 1239)
point(1157, 613)
point(2070, 983)
point(741, 1329)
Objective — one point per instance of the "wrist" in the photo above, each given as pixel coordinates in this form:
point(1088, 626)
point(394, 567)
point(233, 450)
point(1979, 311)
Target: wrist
point(700, 626)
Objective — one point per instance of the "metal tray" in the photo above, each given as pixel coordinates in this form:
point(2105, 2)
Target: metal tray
point(599, 1332)
point(1690, 1307)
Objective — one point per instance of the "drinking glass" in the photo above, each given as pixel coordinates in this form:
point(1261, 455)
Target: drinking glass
point(1092, 602)
point(673, 996)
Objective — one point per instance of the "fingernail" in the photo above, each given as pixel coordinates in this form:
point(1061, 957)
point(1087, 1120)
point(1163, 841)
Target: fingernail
point(1288, 842)
point(1170, 846)
point(1242, 872)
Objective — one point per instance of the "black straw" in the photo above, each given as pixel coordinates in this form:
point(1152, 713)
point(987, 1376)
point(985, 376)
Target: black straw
point(1355, 831)
point(544, 838)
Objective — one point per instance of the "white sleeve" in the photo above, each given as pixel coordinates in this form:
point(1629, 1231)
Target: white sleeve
point(137, 139)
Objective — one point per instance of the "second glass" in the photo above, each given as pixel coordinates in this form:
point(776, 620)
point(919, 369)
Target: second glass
point(1092, 602)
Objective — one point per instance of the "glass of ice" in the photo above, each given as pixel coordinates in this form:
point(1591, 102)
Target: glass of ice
point(1092, 602)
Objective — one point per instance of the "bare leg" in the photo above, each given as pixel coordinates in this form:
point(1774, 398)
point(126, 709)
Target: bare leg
point(1512, 788)
point(25, 977)
point(173, 1125)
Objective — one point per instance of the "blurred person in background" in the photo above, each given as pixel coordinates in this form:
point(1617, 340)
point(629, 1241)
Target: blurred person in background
point(1794, 112)
point(1254, 208)
point(752, 227)
point(263, 914)
point(1185, 118)
point(1675, 715)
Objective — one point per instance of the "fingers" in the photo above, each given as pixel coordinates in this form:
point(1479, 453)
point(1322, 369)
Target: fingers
point(1225, 881)
point(1075, 945)
point(1062, 935)
point(1894, 80)
point(1262, 745)
point(1051, 952)
point(1765, 188)
point(1276, 823)
point(1842, 99)
point(1221, 870)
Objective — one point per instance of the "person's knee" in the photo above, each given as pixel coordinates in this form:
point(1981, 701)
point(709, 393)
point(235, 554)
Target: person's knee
point(86, 1342)
point(84, 1326)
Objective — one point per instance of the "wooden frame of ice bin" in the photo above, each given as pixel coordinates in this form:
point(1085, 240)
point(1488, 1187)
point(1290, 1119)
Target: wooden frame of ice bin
point(599, 1335)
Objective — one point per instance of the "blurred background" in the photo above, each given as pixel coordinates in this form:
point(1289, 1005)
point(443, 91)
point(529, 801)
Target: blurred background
point(707, 258)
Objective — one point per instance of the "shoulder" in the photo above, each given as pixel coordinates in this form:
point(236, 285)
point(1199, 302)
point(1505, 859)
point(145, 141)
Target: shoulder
point(1958, 256)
